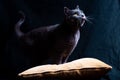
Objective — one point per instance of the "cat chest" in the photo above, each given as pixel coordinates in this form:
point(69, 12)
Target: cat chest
point(70, 40)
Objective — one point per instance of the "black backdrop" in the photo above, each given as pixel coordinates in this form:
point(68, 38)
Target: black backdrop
point(99, 39)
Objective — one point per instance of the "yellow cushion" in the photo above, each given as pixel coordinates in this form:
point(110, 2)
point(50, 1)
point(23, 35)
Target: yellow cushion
point(82, 68)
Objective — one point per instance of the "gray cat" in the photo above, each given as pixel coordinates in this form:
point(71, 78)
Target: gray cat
point(53, 44)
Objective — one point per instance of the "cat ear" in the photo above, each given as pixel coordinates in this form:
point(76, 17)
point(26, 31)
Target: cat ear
point(77, 7)
point(66, 10)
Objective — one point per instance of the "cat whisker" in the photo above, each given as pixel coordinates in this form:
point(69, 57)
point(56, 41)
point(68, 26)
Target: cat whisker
point(88, 19)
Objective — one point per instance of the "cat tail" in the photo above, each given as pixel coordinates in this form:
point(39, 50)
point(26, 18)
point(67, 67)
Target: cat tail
point(19, 33)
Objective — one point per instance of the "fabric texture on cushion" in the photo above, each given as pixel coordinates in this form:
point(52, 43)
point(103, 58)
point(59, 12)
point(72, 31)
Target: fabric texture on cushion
point(81, 68)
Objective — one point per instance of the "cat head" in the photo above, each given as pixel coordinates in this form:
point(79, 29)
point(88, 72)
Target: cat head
point(75, 16)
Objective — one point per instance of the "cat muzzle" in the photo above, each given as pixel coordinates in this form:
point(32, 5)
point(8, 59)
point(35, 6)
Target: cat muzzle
point(82, 22)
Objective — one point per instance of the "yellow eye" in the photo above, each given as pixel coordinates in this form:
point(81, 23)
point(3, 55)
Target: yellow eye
point(75, 15)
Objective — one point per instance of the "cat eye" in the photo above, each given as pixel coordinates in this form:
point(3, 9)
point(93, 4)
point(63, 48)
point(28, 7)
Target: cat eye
point(76, 13)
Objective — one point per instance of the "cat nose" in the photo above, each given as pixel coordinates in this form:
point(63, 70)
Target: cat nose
point(83, 17)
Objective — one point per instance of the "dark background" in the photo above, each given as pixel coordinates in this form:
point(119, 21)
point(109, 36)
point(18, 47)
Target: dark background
point(99, 39)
